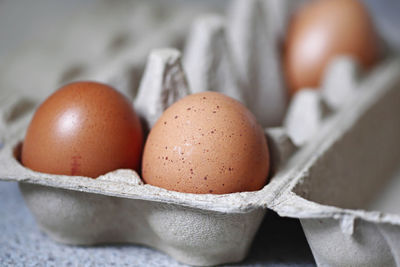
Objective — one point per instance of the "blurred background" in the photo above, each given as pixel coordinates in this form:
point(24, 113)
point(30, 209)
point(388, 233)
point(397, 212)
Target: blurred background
point(23, 21)
point(56, 30)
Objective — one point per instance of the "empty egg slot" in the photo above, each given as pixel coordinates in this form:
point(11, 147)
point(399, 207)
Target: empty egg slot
point(362, 162)
point(238, 55)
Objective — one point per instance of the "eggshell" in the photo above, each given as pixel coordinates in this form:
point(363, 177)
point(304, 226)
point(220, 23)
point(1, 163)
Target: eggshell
point(206, 143)
point(322, 30)
point(84, 128)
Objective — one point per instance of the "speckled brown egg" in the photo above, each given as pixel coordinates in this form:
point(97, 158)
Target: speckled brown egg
point(84, 128)
point(206, 143)
point(322, 30)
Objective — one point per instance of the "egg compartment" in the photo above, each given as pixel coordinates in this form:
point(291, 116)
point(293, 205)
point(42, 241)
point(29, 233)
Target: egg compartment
point(346, 195)
point(195, 229)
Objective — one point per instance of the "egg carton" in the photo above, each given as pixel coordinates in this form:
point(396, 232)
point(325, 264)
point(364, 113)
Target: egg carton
point(334, 151)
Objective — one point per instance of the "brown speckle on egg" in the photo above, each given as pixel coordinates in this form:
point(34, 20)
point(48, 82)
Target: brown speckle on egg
point(218, 149)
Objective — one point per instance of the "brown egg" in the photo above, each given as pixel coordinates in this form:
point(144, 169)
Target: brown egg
point(84, 128)
point(322, 30)
point(206, 143)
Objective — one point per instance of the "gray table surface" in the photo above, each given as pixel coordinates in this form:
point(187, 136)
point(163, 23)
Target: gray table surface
point(279, 242)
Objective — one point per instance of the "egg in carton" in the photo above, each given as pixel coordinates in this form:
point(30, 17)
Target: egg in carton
point(310, 164)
